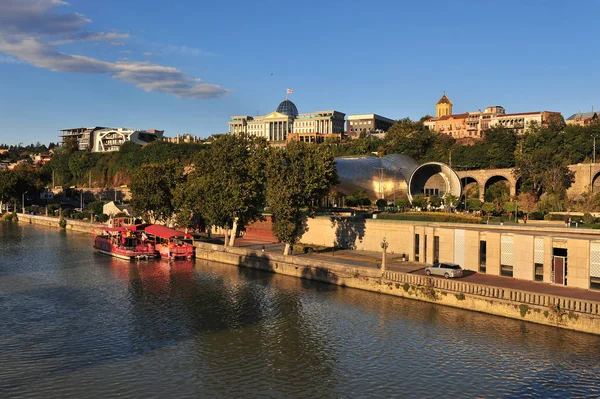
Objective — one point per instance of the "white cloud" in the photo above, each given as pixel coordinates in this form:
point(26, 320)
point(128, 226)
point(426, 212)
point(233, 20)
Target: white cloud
point(148, 54)
point(32, 30)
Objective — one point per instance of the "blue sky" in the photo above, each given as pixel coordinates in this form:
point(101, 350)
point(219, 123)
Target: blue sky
point(187, 66)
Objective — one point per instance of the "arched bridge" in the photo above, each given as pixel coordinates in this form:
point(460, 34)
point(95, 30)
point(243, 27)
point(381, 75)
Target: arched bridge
point(586, 176)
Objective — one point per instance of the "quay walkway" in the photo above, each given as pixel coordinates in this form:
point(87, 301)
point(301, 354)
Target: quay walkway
point(395, 264)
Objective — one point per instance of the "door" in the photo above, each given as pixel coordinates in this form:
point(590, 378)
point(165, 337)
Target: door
point(559, 270)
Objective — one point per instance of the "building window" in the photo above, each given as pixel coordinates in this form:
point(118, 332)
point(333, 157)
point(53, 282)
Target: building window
point(482, 256)
point(506, 270)
point(436, 249)
point(417, 247)
point(539, 272)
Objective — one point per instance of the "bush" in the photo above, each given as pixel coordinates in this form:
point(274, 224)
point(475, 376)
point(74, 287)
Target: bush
point(431, 217)
point(11, 217)
point(102, 218)
point(474, 204)
point(553, 216)
point(381, 203)
point(62, 223)
point(536, 216)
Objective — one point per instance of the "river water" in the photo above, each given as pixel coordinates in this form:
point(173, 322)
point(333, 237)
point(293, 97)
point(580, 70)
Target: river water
point(74, 323)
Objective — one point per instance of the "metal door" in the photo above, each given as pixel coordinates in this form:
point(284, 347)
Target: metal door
point(559, 269)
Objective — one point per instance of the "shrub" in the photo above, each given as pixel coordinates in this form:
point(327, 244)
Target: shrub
point(460, 297)
point(474, 204)
point(588, 219)
point(536, 215)
point(406, 287)
point(62, 223)
point(11, 217)
point(431, 217)
point(523, 309)
point(435, 201)
point(102, 218)
point(381, 203)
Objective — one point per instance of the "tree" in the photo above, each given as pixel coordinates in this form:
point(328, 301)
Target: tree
point(152, 190)
point(231, 179)
point(450, 200)
point(498, 193)
point(509, 207)
point(419, 201)
point(296, 176)
point(381, 203)
point(473, 204)
point(402, 203)
point(435, 201)
point(488, 208)
point(527, 203)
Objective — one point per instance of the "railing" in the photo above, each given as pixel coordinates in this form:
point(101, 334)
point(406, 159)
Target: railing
point(487, 291)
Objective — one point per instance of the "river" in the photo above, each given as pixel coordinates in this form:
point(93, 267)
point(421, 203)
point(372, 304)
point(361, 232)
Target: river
point(74, 323)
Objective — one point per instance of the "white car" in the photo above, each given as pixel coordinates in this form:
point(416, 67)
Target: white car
point(448, 270)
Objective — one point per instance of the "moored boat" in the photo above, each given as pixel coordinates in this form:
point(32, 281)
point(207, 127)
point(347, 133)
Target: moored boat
point(124, 243)
point(171, 243)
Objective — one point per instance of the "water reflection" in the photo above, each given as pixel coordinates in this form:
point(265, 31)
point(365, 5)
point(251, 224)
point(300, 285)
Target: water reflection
point(73, 323)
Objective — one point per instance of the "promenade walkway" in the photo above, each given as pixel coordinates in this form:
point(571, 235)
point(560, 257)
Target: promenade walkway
point(394, 263)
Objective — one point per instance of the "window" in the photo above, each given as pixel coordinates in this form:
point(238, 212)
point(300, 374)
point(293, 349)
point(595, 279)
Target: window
point(417, 247)
point(436, 249)
point(482, 256)
point(425, 249)
point(506, 270)
point(506, 256)
point(539, 272)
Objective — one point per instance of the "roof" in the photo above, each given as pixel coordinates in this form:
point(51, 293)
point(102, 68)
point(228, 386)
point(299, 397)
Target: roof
point(520, 113)
point(165, 232)
point(444, 100)
point(582, 115)
point(455, 116)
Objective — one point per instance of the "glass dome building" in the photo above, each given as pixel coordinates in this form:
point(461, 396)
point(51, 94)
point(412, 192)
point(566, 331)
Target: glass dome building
point(288, 108)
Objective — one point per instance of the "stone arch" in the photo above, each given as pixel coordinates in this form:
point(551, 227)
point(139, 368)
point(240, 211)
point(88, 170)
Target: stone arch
point(468, 182)
point(496, 179)
point(596, 182)
point(518, 185)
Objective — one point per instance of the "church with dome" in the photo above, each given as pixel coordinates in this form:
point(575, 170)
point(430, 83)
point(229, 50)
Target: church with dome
point(286, 124)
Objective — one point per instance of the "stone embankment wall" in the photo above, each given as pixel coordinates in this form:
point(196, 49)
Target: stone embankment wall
point(550, 310)
point(426, 242)
point(74, 225)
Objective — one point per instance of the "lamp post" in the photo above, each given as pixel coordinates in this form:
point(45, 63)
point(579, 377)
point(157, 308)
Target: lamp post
point(384, 246)
point(594, 151)
point(23, 202)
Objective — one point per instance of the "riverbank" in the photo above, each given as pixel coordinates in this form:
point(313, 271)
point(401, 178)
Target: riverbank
point(569, 313)
point(542, 308)
point(74, 225)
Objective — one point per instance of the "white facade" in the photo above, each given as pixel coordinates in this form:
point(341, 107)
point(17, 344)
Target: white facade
point(106, 140)
point(276, 125)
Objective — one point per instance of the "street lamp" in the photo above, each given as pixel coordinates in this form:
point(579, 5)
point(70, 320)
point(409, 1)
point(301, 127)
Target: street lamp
point(384, 246)
point(23, 202)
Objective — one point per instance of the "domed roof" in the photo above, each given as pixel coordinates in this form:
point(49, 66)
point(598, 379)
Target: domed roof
point(289, 108)
point(444, 100)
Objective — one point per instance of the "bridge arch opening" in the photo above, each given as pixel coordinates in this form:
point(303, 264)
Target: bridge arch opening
point(470, 187)
point(496, 186)
point(596, 183)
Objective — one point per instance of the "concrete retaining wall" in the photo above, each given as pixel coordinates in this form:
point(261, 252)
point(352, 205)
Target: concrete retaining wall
point(547, 311)
point(74, 225)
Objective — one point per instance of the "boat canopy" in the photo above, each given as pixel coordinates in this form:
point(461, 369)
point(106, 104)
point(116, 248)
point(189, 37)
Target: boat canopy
point(165, 232)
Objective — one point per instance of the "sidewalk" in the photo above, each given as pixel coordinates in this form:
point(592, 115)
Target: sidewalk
point(395, 264)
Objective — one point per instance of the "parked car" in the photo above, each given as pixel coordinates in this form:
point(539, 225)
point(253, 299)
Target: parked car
point(448, 270)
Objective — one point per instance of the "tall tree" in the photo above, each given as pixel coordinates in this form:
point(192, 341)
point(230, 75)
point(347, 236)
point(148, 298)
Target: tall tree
point(231, 177)
point(152, 189)
point(296, 177)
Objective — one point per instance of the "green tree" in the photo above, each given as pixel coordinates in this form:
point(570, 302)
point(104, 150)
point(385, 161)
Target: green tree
point(152, 191)
point(419, 201)
point(435, 201)
point(402, 202)
point(498, 193)
point(231, 177)
point(296, 177)
point(474, 204)
point(450, 200)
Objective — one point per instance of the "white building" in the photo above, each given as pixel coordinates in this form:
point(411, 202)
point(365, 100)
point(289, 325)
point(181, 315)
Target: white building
point(277, 125)
point(106, 139)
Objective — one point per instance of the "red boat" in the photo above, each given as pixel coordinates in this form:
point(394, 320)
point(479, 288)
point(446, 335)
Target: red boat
point(124, 243)
point(170, 243)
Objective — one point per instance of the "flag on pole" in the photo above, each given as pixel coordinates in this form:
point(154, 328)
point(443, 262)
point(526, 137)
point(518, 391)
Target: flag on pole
point(289, 91)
